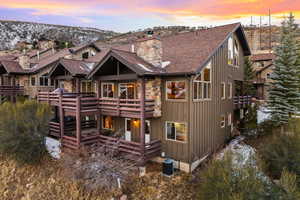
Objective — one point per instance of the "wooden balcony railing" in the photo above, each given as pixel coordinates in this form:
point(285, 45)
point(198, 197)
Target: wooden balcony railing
point(11, 90)
point(241, 101)
point(88, 103)
point(132, 149)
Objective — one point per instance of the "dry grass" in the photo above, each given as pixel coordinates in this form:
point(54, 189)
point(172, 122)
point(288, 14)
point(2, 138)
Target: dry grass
point(47, 182)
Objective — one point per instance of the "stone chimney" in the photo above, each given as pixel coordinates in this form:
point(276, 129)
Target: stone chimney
point(150, 49)
point(24, 61)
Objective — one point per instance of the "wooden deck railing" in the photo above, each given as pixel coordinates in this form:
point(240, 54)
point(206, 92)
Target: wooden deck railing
point(89, 103)
point(11, 90)
point(242, 100)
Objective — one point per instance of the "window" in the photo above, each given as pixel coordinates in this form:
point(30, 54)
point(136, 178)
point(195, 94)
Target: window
point(223, 90)
point(176, 131)
point(233, 52)
point(268, 75)
point(202, 83)
point(127, 90)
point(85, 55)
point(229, 119)
point(52, 82)
point(107, 122)
point(222, 121)
point(107, 90)
point(229, 90)
point(176, 90)
point(87, 86)
point(32, 81)
point(44, 80)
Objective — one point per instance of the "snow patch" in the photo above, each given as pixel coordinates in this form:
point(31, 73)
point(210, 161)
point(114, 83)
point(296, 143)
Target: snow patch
point(53, 147)
point(262, 114)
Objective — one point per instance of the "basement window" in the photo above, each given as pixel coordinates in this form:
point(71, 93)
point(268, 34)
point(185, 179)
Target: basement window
point(176, 131)
point(176, 90)
point(202, 84)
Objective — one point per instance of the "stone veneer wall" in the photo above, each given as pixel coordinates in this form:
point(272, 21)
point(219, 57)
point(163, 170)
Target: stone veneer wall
point(150, 50)
point(153, 91)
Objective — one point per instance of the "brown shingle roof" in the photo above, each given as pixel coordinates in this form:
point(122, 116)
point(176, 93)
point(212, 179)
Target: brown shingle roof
point(12, 67)
point(188, 52)
point(262, 57)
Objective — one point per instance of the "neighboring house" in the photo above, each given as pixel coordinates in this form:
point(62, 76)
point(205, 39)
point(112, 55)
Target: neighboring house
point(172, 97)
point(263, 67)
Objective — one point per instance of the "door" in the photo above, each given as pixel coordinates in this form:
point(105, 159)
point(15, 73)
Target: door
point(127, 129)
point(127, 90)
point(147, 131)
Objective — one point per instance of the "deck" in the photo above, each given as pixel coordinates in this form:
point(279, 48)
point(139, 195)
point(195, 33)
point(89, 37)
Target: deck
point(88, 104)
point(242, 101)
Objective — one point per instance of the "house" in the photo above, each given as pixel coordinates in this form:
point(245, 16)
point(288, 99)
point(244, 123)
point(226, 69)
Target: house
point(263, 67)
point(175, 97)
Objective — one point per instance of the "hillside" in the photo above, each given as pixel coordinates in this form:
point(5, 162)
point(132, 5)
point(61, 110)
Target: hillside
point(12, 32)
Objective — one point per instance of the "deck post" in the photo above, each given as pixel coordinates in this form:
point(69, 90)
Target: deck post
point(142, 117)
point(77, 89)
point(99, 113)
point(61, 115)
point(78, 120)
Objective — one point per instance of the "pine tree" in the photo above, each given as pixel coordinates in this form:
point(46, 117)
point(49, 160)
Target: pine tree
point(249, 75)
point(284, 91)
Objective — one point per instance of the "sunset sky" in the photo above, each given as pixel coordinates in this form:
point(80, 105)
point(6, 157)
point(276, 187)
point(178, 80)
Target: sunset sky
point(126, 15)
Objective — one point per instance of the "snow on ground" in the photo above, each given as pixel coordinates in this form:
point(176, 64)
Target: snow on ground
point(262, 114)
point(53, 147)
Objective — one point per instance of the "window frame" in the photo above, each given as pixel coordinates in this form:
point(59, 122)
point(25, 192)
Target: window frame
point(93, 86)
point(223, 90)
point(166, 132)
point(223, 122)
point(203, 82)
point(107, 83)
point(230, 90)
point(185, 88)
point(229, 119)
point(44, 78)
point(102, 124)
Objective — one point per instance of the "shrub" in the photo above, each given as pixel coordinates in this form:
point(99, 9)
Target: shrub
point(283, 151)
point(222, 180)
point(23, 127)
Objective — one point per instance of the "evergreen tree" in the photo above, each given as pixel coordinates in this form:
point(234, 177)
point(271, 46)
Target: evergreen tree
point(249, 75)
point(284, 91)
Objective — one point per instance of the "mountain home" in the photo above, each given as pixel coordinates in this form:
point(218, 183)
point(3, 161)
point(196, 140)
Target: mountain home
point(172, 97)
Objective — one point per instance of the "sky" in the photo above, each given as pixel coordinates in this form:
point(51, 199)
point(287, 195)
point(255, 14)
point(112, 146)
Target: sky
point(130, 15)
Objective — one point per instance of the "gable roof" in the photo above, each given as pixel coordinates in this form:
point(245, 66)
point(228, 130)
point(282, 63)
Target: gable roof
point(130, 60)
point(12, 67)
point(74, 67)
point(80, 47)
point(189, 52)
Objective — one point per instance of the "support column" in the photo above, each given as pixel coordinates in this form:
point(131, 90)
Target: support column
point(142, 118)
point(78, 121)
point(61, 116)
point(98, 117)
point(77, 90)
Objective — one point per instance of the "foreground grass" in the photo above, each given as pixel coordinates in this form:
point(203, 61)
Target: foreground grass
point(47, 182)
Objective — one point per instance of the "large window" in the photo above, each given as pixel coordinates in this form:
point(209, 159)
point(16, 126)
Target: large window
point(107, 122)
point(223, 90)
point(44, 81)
point(202, 83)
point(176, 131)
point(176, 90)
point(87, 86)
point(233, 52)
point(107, 90)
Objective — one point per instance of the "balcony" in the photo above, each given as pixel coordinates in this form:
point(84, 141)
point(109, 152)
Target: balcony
point(242, 101)
point(88, 104)
point(7, 90)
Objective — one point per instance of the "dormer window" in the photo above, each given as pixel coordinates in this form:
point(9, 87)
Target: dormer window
point(85, 55)
point(202, 84)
